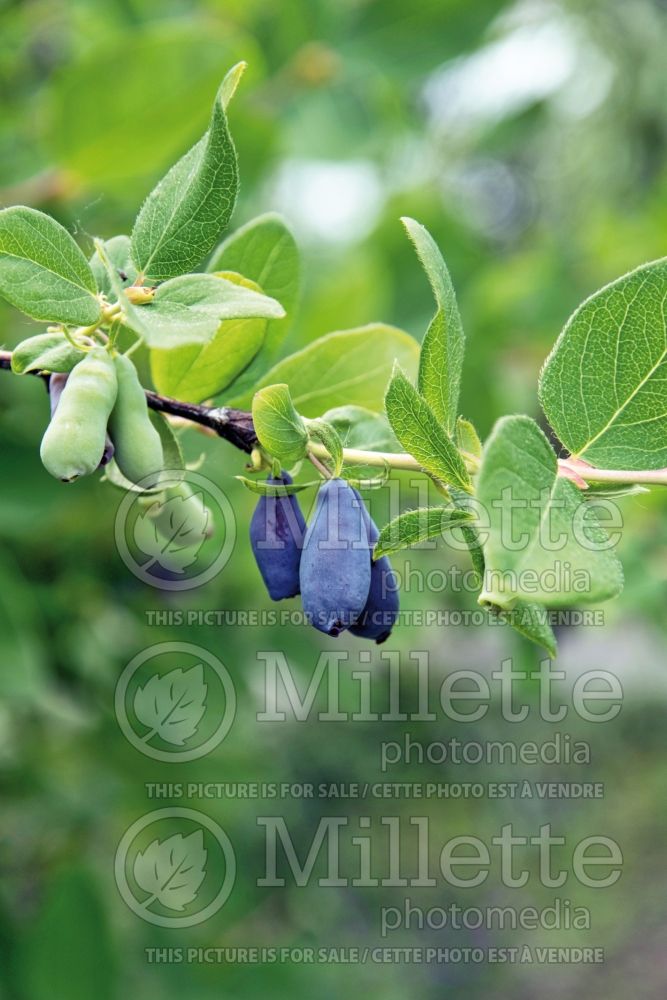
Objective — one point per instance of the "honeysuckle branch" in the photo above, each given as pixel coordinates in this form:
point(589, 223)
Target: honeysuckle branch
point(236, 427)
point(231, 425)
point(379, 459)
point(572, 469)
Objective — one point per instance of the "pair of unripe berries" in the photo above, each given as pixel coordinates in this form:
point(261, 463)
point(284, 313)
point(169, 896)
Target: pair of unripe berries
point(329, 562)
point(99, 412)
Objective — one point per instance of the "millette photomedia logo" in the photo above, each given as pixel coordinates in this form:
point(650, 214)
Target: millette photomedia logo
point(175, 701)
point(175, 867)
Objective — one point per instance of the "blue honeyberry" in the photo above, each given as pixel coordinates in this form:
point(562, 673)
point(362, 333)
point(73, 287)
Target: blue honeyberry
point(381, 610)
point(277, 530)
point(335, 563)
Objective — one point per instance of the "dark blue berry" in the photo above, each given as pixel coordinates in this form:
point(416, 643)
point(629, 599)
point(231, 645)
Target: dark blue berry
point(381, 610)
point(277, 530)
point(335, 563)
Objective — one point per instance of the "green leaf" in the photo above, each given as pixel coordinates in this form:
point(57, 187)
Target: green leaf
point(443, 347)
point(67, 953)
point(185, 213)
point(278, 426)
point(361, 428)
point(462, 501)
point(545, 543)
point(264, 489)
point(196, 372)
point(531, 621)
point(49, 352)
point(131, 314)
point(467, 437)
point(42, 270)
point(351, 474)
point(115, 477)
point(190, 309)
point(604, 385)
point(320, 430)
point(414, 526)
point(347, 367)
point(265, 251)
point(171, 447)
point(118, 253)
point(417, 428)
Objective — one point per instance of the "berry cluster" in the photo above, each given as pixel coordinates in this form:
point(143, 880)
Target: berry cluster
point(329, 562)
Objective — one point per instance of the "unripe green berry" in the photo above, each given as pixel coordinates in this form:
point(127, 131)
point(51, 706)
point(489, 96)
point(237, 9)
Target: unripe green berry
point(74, 441)
point(138, 448)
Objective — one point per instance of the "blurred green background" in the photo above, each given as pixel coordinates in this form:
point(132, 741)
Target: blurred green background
point(530, 138)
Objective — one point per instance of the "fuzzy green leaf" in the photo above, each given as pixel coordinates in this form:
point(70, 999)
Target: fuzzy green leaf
point(171, 447)
point(263, 489)
point(351, 475)
point(115, 477)
point(182, 218)
point(320, 430)
point(191, 308)
point(604, 385)
point(443, 347)
point(42, 270)
point(414, 526)
point(467, 437)
point(130, 314)
point(279, 428)
point(419, 431)
point(462, 501)
point(119, 256)
point(195, 372)
point(347, 367)
point(531, 621)
point(545, 543)
point(361, 428)
point(48, 352)
point(265, 251)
